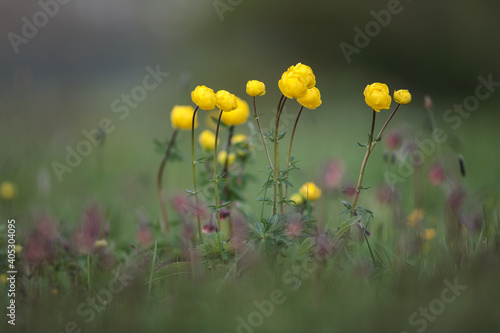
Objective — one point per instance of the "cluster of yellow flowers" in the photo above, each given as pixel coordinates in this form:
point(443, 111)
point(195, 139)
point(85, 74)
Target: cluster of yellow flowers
point(299, 82)
point(378, 98)
point(308, 191)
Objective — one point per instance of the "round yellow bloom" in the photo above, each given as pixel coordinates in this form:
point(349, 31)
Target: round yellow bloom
point(256, 88)
point(8, 190)
point(402, 96)
point(204, 97)
point(3, 278)
point(292, 85)
point(207, 140)
point(181, 117)
point(312, 99)
point(429, 233)
point(18, 248)
point(238, 116)
point(416, 216)
point(299, 199)
point(100, 243)
point(310, 191)
point(377, 96)
point(226, 101)
point(306, 73)
point(221, 158)
point(239, 138)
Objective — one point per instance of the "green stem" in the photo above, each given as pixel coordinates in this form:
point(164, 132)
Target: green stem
point(290, 149)
point(200, 234)
point(276, 169)
point(215, 172)
point(159, 182)
point(262, 134)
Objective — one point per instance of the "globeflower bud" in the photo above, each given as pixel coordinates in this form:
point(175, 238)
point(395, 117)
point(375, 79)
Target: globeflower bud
point(207, 140)
point(203, 97)
point(292, 86)
point(310, 191)
point(8, 191)
point(402, 96)
point(377, 96)
point(238, 116)
point(256, 88)
point(312, 99)
point(181, 117)
point(226, 101)
point(297, 198)
point(222, 156)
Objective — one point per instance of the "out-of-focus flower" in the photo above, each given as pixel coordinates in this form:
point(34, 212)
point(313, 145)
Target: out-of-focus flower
point(297, 198)
point(429, 233)
point(182, 117)
point(54, 292)
point(334, 173)
point(256, 88)
point(18, 249)
point(349, 191)
point(222, 156)
point(428, 102)
point(416, 217)
point(312, 99)
point(294, 228)
point(239, 138)
point(204, 97)
point(226, 101)
point(40, 245)
point(392, 140)
point(223, 213)
point(456, 198)
point(324, 247)
point(377, 96)
point(402, 96)
point(386, 194)
point(144, 235)
point(238, 116)
point(209, 228)
point(8, 190)
point(436, 174)
point(310, 191)
point(3, 278)
point(93, 228)
point(100, 243)
point(207, 140)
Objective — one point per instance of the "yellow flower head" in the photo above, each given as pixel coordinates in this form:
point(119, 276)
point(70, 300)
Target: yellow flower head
point(222, 156)
point(203, 97)
point(256, 88)
point(310, 191)
point(239, 138)
point(18, 248)
point(226, 101)
point(299, 199)
point(402, 96)
point(377, 96)
point(207, 140)
point(100, 243)
point(181, 117)
point(8, 190)
point(238, 116)
point(292, 85)
point(429, 233)
point(312, 99)
point(3, 278)
point(306, 73)
point(415, 217)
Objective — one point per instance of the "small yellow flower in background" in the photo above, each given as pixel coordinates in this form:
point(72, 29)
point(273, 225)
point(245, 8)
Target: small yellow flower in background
point(256, 88)
point(221, 158)
point(312, 99)
point(207, 140)
point(299, 199)
point(415, 217)
point(310, 191)
point(54, 291)
point(226, 101)
point(3, 278)
point(100, 243)
point(8, 190)
point(18, 248)
point(377, 96)
point(402, 96)
point(204, 97)
point(238, 116)
point(429, 233)
point(292, 85)
point(181, 117)
point(306, 73)
point(239, 138)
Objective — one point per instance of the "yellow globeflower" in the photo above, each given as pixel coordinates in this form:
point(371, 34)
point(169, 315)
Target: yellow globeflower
point(402, 96)
point(226, 101)
point(207, 140)
point(239, 138)
point(299, 199)
point(429, 233)
point(377, 96)
point(415, 217)
point(8, 190)
point(182, 117)
point(310, 191)
point(3, 278)
point(238, 116)
point(100, 243)
point(312, 99)
point(221, 158)
point(203, 97)
point(306, 73)
point(292, 85)
point(18, 248)
point(256, 88)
